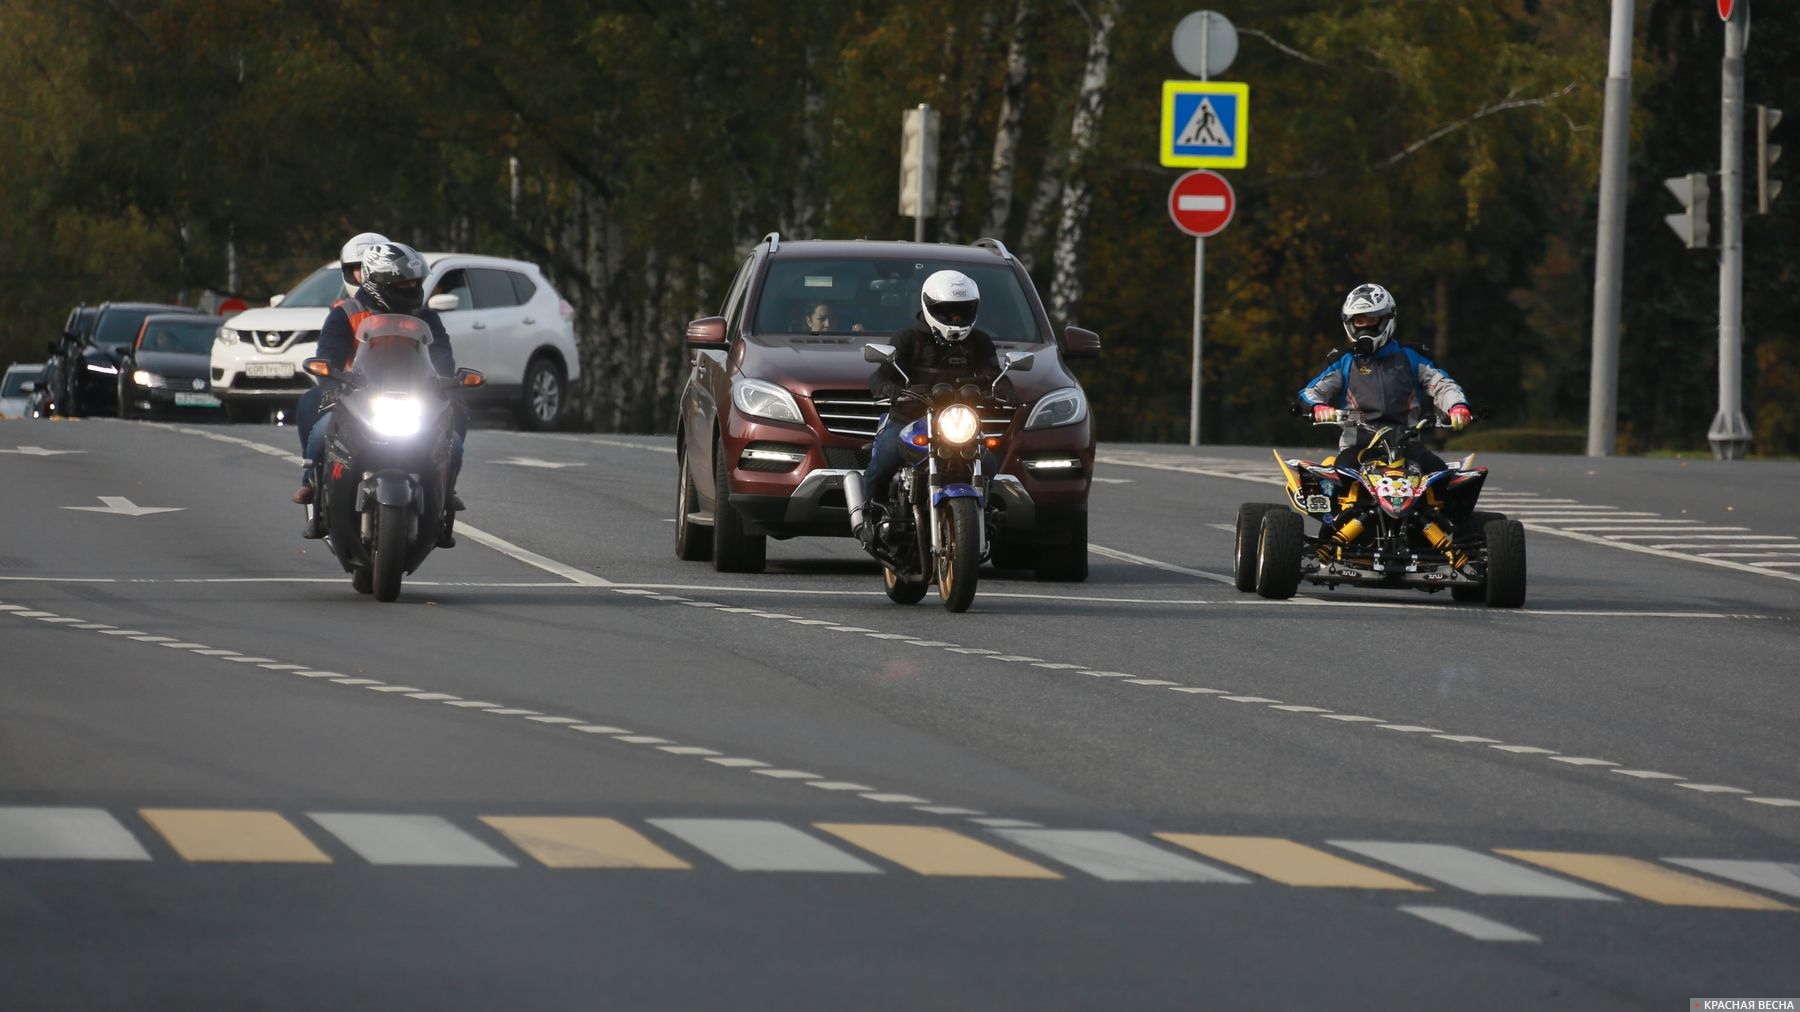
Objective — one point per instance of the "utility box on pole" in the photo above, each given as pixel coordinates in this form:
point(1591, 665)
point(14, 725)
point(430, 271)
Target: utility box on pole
point(918, 167)
point(1694, 190)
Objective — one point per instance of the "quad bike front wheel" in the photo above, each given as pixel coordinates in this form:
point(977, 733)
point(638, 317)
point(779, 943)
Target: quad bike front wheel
point(1506, 564)
point(1478, 521)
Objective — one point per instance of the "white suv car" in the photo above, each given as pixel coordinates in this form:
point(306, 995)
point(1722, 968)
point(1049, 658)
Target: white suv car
point(509, 323)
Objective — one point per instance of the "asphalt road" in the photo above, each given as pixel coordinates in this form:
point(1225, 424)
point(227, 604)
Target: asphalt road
point(566, 770)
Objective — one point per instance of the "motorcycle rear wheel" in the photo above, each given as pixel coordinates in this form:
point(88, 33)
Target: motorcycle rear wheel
point(958, 567)
point(903, 591)
point(390, 551)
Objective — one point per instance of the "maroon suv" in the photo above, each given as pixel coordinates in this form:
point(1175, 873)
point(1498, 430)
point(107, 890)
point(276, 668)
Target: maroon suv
point(777, 407)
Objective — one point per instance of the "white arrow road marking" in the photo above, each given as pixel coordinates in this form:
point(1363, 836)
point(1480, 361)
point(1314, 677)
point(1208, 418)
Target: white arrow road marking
point(38, 451)
point(124, 507)
point(555, 465)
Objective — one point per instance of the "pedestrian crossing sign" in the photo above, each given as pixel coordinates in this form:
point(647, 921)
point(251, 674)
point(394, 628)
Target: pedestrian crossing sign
point(1205, 124)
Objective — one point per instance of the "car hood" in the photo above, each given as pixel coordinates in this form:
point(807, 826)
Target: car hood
point(804, 363)
point(174, 364)
point(280, 318)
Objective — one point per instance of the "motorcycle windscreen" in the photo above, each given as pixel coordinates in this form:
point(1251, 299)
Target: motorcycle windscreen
point(392, 352)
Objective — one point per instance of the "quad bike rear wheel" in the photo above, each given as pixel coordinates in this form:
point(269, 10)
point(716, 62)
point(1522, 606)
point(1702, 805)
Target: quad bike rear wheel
point(1248, 535)
point(1278, 555)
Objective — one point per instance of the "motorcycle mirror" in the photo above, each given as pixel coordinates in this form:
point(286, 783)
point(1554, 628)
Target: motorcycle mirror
point(469, 377)
point(1019, 361)
point(874, 352)
point(318, 367)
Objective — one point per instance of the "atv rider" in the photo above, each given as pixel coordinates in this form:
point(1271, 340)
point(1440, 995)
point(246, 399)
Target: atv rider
point(393, 279)
point(943, 346)
point(1381, 378)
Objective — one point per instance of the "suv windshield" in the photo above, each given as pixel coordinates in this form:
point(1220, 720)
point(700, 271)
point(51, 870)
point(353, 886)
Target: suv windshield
point(184, 337)
point(320, 289)
point(120, 326)
point(878, 296)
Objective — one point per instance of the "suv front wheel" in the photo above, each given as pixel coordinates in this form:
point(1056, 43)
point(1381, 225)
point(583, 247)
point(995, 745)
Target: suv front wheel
point(546, 396)
point(735, 550)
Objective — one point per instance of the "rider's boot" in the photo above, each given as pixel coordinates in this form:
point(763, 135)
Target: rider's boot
point(858, 502)
point(315, 520)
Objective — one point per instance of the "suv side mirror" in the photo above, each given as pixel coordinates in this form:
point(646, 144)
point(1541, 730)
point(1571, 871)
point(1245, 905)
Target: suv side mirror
point(276, 300)
point(874, 352)
point(443, 302)
point(1080, 343)
point(27, 387)
point(707, 333)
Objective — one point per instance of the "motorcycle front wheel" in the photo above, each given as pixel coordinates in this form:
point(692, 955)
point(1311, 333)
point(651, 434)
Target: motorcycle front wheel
point(960, 526)
point(390, 551)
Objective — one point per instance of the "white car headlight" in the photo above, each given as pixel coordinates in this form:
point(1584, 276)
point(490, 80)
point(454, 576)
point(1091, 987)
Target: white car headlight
point(146, 378)
point(1058, 407)
point(227, 336)
point(957, 424)
point(395, 415)
point(765, 400)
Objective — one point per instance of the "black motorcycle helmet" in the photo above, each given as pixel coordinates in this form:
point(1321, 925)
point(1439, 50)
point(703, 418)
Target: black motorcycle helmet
point(394, 278)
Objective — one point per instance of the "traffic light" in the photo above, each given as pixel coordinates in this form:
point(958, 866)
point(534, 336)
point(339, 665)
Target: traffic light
point(1766, 156)
point(919, 162)
point(1693, 190)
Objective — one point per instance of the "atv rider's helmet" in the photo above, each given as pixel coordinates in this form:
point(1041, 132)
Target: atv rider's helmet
point(394, 278)
point(950, 302)
point(1368, 316)
point(350, 259)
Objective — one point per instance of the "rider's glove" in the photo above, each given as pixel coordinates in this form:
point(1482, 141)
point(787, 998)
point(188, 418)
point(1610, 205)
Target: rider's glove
point(1461, 416)
point(1324, 413)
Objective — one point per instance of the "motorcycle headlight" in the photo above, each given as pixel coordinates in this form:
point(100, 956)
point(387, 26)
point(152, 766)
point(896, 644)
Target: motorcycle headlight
point(765, 400)
point(146, 378)
point(957, 424)
point(395, 415)
point(227, 336)
point(1058, 407)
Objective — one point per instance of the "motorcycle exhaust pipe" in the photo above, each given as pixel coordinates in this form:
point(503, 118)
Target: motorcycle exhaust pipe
point(855, 498)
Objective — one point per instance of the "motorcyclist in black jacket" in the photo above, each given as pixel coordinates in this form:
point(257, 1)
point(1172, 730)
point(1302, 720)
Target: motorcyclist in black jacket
point(944, 346)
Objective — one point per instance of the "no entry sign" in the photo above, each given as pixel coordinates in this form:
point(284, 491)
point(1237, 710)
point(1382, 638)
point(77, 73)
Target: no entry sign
point(1725, 7)
point(1201, 203)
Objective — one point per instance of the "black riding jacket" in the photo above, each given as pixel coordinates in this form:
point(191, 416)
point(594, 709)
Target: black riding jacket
point(926, 362)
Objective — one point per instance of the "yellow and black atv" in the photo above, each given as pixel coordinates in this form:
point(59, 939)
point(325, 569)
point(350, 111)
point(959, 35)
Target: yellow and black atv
point(1383, 522)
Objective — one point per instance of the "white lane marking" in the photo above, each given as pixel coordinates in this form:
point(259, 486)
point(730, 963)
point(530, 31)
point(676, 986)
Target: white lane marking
point(411, 690)
point(556, 720)
point(283, 667)
point(1713, 788)
point(1139, 560)
point(1776, 565)
point(471, 704)
point(686, 750)
point(597, 729)
point(1198, 691)
point(1776, 876)
point(781, 774)
point(947, 810)
point(639, 739)
point(409, 840)
point(1250, 699)
point(195, 647)
point(513, 711)
point(1159, 681)
point(358, 681)
point(838, 785)
point(758, 845)
point(1617, 542)
point(1646, 774)
point(242, 659)
point(1777, 802)
point(1524, 749)
point(1298, 708)
point(898, 799)
point(169, 639)
point(1468, 739)
point(431, 697)
point(1577, 760)
point(57, 619)
point(67, 834)
point(1475, 926)
point(997, 823)
point(1411, 728)
point(734, 762)
point(217, 653)
point(1351, 718)
point(120, 506)
point(1115, 857)
point(1470, 870)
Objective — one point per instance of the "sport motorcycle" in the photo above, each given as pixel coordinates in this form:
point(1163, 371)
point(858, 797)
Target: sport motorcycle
point(380, 496)
point(1382, 522)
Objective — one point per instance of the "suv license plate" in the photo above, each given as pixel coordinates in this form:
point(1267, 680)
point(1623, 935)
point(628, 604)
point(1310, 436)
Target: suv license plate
point(187, 400)
point(269, 370)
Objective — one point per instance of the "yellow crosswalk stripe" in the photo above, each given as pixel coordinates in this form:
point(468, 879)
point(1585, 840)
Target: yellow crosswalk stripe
point(571, 842)
point(1290, 863)
point(1646, 880)
point(207, 834)
point(930, 850)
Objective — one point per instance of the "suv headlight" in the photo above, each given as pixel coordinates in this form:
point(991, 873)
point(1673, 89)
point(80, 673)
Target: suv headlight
point(765, 400)
point(1058, 407)
point(227, 336)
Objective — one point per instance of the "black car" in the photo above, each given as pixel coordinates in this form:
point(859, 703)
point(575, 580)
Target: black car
point(51, 397)
point(92, 385)
point(164, 370)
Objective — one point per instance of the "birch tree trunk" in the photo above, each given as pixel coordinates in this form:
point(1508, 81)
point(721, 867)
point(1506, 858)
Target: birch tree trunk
point(804, 223)
point(1084, 133)
point(974, 96)
point(1011, 121)
point(1043, 203)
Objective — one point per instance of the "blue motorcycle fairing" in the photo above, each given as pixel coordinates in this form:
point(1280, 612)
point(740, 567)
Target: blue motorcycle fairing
point(956, 491)
point(914, 431)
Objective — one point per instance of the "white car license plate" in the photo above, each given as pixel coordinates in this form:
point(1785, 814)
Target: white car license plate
point(269, 370)
point(187, 400)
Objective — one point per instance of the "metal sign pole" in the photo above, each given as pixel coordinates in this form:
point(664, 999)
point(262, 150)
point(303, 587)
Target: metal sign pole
point(1609, 259)
point(1730, 431)
point(1194, 391)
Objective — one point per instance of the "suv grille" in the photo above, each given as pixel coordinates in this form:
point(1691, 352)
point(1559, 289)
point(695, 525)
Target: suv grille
point(854, 414)
point(279, 340)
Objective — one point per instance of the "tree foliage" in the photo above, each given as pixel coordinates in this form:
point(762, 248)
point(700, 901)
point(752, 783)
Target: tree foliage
point(1446, 148)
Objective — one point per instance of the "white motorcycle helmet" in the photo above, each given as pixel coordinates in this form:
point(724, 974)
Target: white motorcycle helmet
point(1368, 316)
point(350, 259)
point(950, 301)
